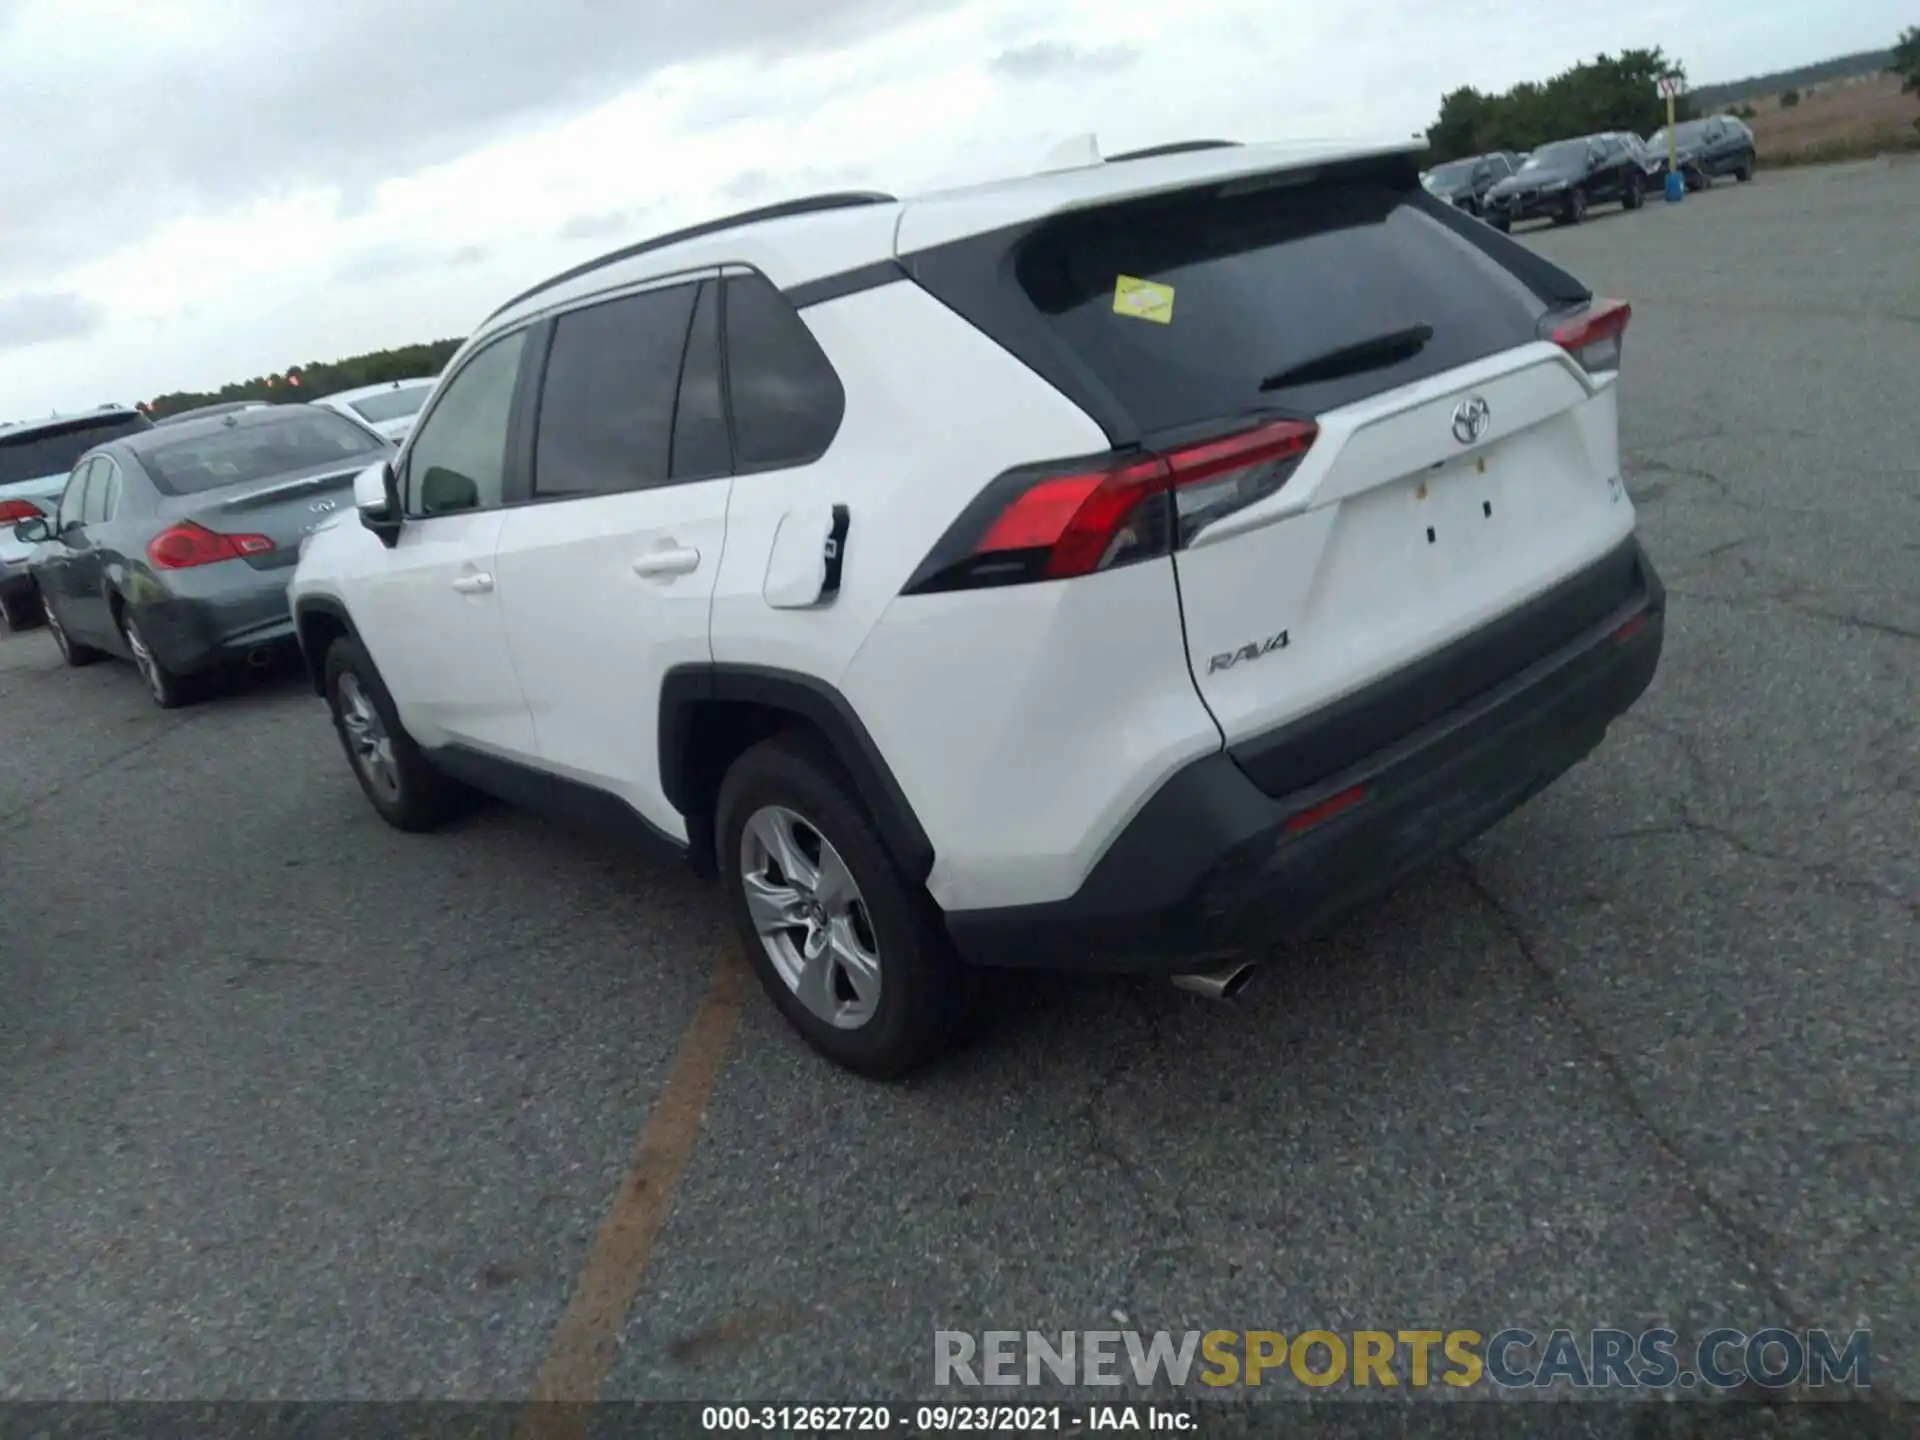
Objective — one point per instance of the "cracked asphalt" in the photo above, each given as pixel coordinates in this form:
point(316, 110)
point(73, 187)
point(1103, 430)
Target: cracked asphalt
point(298, 1107)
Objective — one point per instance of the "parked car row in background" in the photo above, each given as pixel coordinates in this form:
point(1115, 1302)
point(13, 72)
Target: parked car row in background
point(69, 554)
point(36, 458)
point(1561, 181)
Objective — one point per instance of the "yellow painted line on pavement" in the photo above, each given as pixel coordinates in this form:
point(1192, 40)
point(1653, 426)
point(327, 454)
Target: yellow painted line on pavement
point(587, 1339)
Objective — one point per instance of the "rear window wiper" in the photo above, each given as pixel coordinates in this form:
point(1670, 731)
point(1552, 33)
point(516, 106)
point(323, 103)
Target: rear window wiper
point(1372, 354)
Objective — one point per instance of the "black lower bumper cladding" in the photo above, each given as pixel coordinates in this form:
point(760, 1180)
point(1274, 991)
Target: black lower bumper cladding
point(1212, 866)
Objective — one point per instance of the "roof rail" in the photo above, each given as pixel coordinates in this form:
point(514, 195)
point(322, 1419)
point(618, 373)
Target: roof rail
point(805, 205)
point(1175, 147)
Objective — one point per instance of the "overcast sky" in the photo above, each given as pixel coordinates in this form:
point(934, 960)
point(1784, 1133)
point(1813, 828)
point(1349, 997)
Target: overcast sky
point(194, 191)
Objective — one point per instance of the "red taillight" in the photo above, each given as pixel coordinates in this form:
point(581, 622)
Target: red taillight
point(1056, 522)
point(1325, 810)
point(1595, 335)
point(12, 512)
point(183, 546)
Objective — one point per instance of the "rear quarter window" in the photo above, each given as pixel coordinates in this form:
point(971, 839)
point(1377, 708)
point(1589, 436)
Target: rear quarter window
point(1262, 281)
point(786, 399)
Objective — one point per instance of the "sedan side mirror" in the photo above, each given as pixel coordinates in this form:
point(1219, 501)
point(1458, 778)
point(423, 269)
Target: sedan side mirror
point(33, 532)
point(376, 495)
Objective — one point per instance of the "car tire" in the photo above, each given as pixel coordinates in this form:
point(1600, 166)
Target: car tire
point(851, 951)
point(21, 612)
point(169, 691)
point(408, 793)
point(1745, 172)
point(71, 651)
point(1635, 196)
point(1502, 224)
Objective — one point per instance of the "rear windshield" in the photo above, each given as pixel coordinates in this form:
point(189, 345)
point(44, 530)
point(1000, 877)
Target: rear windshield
point(39, 453)
point(392, 404)
point(258, 451)
point(1243, 288)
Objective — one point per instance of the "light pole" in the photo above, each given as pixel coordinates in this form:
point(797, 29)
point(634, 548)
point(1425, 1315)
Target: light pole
point(1669, 86)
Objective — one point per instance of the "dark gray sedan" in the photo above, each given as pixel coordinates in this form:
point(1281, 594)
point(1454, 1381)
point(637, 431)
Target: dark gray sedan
point(172, 548)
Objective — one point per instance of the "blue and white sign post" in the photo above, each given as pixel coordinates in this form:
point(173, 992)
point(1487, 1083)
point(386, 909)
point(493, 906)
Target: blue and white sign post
point(1670, 86)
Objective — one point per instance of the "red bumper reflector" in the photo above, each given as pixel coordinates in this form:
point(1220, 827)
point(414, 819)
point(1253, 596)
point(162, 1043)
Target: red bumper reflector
point(1325, 810)
point(1632, 628)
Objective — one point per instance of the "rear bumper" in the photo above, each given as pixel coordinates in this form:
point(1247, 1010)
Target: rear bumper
point(232, 616)
point(1211, 867)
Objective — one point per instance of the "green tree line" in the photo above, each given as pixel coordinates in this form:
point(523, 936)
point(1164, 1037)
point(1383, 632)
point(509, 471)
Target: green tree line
point(1609, 92)
point(322, 377)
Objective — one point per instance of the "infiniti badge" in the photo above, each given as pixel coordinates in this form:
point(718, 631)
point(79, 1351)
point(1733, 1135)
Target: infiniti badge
point(1470, 420)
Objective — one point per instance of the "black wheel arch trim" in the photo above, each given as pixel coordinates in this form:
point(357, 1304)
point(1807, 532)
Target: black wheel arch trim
point(332, 609)
point(685, 688)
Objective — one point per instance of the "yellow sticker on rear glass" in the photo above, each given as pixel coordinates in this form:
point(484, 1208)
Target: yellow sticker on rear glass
point(1143, 300)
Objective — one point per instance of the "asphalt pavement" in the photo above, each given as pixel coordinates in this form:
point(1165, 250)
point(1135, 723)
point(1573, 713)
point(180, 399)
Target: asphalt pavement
point(299, 1107)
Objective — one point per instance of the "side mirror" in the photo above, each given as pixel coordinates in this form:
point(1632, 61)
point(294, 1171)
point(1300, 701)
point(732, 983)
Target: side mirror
point(33, 532)
point(376, 495)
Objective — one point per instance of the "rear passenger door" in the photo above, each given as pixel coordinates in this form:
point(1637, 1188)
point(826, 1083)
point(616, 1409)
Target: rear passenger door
point(87, 575)
point(607, 563)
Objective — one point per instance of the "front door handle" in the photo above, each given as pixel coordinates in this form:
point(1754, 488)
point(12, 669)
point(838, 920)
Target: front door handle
point(673, 560)
point(473, 584)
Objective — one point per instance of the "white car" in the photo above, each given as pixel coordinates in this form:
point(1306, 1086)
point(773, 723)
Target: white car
point(36, 457)
point(388, 409)
point(1119, 568)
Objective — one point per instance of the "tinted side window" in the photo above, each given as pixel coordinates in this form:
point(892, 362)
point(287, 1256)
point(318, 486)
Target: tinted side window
point(786, 400)
point(103, 487)
point(607, 403)
point(701, 449)
point(459, 455)
point(73, 498)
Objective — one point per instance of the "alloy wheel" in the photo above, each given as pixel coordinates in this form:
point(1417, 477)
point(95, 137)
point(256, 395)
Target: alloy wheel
point(368, 744)
point(144, 662)
point(810, 916)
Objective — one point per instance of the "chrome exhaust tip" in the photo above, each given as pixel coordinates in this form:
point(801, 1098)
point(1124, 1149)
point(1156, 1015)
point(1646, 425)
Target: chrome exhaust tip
point(1221, 984)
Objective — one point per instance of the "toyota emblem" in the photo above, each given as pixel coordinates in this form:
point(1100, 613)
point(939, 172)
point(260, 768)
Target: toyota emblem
point(1470, 420)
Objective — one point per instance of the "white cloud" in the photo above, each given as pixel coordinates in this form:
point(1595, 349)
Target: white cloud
point(279, 183)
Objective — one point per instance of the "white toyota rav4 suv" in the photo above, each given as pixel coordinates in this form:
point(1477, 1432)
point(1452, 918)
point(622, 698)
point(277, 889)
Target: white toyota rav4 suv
point(1122, 568)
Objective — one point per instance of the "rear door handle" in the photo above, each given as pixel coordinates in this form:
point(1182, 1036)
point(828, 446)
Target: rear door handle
point(674, 560)
point(473, 584)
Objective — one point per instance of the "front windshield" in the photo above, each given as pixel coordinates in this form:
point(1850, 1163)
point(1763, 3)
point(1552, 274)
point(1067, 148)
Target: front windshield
point(1457, 172)
point(1561, 155)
